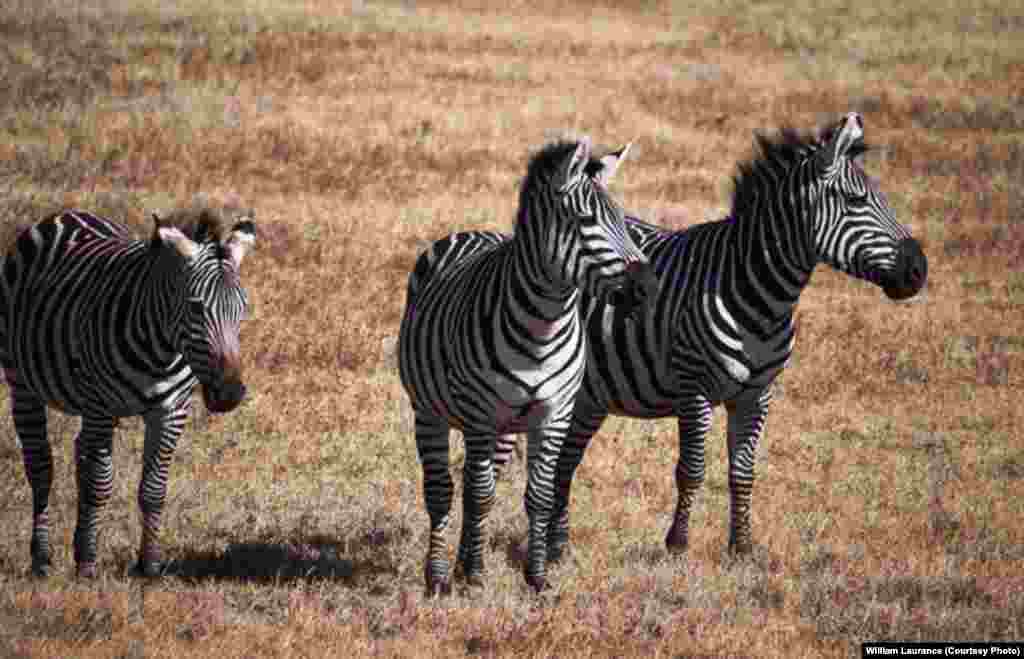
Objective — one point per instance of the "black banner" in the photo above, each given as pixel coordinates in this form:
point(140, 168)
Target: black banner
point(942, 649)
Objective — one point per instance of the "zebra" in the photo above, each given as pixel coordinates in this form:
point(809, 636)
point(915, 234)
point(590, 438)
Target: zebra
point(102, 326)
point(492, 342)
point(721, 329)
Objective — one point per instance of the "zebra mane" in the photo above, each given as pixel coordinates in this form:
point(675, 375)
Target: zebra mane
point(549, 157)
point(552, 156)
point(774, 158)
point(200, 222)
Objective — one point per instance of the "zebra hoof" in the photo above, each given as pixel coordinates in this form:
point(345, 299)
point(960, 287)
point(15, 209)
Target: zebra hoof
point(41, 569)
point(437, 577)
point(538, 583)
point(86, 571)
point(439, 588)
point(677, 541)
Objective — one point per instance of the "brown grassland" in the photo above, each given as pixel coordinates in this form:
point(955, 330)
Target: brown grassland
point(890, 485)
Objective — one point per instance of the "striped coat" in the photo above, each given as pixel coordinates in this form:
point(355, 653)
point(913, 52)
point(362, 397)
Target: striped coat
point(492, 341)
point(102, 326)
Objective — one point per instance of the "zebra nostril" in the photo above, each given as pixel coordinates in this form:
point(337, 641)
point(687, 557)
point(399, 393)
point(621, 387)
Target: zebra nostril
point(919, 272)
point(916, 263)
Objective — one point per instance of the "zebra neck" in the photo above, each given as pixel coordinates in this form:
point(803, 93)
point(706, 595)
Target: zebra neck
point(535, 305)
point(163, 295)
point(545, 263)
point(769, 260)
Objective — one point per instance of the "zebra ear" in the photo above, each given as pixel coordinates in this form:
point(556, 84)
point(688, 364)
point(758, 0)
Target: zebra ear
point(576, 164)
point(610, 164)
point(241, 238)
point(844, 135)
point(173, 237)
point(158, 223)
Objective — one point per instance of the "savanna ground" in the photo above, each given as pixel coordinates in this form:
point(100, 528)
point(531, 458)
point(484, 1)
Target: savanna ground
point(891, 479)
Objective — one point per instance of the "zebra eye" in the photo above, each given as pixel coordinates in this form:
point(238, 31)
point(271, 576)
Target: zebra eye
point(857, 199)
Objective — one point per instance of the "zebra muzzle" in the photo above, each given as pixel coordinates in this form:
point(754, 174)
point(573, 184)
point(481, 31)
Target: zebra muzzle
point(223, 398)
point(911, 273)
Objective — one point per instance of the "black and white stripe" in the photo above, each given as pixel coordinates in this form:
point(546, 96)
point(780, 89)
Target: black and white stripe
point(102, 326)
point(492, 341)
point(721, 328)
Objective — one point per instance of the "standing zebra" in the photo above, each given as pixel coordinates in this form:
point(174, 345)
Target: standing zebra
point(721, 328)
point(492, 342)
point(102, 326)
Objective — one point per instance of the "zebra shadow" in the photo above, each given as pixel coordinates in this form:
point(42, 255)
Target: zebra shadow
point(316, 557)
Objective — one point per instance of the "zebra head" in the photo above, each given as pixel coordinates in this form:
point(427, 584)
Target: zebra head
point(602, 257)
point(855, 229)
point(215, 305)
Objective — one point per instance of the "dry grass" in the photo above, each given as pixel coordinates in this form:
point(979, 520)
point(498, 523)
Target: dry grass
point(890, 484)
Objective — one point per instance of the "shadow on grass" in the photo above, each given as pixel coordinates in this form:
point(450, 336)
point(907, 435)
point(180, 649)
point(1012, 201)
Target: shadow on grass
point(263, 562)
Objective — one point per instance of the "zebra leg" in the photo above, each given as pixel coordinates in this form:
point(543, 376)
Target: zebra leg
point(504, 448)
point(747, 415)
point(432, 445)
point(477, 501)
point(581, 432)
point(95, 468)
point(542, 454)
point(694, 424)
point(163, 428)
point(29, 412)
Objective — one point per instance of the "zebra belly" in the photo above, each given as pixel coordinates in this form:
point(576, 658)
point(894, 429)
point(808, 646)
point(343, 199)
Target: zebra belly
point(85, 395)
point(725, 378)
point(613, 388)
point(716, 391)
point(637, 412)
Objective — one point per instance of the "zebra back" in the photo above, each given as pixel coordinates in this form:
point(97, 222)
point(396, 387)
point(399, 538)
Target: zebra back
point(455, 248)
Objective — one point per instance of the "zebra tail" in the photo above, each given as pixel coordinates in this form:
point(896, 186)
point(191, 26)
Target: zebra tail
point(420, 274)
point(5, 297)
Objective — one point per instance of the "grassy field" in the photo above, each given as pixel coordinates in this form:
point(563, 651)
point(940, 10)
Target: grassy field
point(890, 487)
